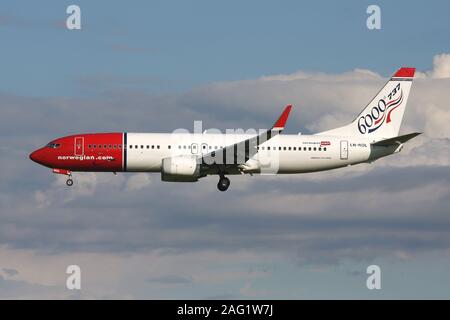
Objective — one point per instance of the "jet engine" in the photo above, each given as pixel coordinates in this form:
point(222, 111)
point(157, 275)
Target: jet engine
point(180, 169)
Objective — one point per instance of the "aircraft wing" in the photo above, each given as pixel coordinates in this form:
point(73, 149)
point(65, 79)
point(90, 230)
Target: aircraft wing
point(239, 153)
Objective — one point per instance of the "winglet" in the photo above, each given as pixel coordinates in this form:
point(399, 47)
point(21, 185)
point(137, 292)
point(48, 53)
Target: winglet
point(404, 73)
point(279, 125)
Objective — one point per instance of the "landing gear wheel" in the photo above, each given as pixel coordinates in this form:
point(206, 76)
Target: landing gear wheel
point(69, 182)
point(223, 184)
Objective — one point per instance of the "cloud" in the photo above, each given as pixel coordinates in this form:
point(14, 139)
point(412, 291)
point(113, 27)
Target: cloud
point(10, 272)
point(86, 185)
point(137, 182)
point(16, 289)
point(441, 68)
point(153, 273)
point(250, 292)
point(124, 232)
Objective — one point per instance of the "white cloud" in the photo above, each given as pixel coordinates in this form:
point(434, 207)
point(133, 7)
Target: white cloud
point(323, 101)
point(45, 274)
point(441, 65)
point(85, 185)
point(249, 291)
point(122, 237)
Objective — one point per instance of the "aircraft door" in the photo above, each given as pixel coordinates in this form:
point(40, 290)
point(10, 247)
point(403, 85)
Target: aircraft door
point(344, 150)
point(194, 148)
point(79, 146)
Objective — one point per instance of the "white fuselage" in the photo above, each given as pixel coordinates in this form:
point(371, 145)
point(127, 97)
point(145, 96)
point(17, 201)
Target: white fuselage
point(282, 154)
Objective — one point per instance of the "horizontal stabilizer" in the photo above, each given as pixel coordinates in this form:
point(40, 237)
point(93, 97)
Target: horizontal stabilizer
point(396, 140)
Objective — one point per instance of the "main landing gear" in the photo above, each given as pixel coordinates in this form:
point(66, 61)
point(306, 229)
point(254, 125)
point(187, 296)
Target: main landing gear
point(223, 183)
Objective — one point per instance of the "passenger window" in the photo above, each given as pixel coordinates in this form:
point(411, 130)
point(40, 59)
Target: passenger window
point(95, 146)
point(309, 149)
point(157, 147)
point(320, 149)
point(168, 147)
point(289, 148)
point(131, 146)
point(99, 146)
point(110, 146)
point(325, 149)
point(315, 148)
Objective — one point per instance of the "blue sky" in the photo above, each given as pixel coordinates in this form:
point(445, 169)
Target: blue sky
point(160, 65)
point(176, 45)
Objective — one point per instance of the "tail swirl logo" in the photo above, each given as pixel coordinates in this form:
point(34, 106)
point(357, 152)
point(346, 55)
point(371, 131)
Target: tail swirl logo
point(381, 113)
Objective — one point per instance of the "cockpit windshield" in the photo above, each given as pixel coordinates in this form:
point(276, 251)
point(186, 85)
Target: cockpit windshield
point(53, 145)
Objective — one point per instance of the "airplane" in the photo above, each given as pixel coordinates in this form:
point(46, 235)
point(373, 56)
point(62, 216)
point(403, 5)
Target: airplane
point(187, 157)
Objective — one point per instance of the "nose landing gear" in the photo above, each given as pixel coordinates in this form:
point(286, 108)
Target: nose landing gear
point(68, 173)
point(69, 182)
point(223, 183)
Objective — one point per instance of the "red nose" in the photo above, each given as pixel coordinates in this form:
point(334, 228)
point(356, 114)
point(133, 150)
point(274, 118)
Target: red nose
point(37, 156)
point(33, 156)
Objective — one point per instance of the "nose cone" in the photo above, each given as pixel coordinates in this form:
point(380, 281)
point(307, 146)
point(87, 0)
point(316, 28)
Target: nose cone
point(33, 156)
point(36, 156)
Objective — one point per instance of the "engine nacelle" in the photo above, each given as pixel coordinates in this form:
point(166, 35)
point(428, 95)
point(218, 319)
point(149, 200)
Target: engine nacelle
point(180, 169)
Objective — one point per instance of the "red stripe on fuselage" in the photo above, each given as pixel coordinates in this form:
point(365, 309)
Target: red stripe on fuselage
point(99, 152)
